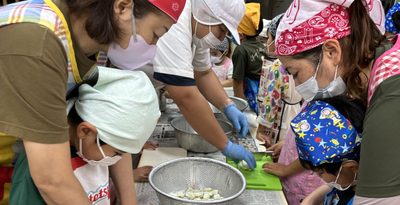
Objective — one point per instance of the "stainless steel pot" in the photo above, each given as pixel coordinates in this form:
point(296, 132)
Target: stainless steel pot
point(188, 138)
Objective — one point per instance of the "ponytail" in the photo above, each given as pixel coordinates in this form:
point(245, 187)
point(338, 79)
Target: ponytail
point(365, 37)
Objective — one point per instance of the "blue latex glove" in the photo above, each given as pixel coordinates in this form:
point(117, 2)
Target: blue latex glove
point(237, 118)
point(238, 152)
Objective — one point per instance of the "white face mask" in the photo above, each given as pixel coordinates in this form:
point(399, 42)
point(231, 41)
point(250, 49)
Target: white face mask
point(338, 186)
point(309, 90)
point(208, 41)
point(137, 54)
point(335, 88)
point(105, 162)
point(216, 60)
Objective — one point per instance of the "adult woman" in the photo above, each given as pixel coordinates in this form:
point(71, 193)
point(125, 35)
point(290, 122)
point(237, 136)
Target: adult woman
point(338, 55)
point(44, 40)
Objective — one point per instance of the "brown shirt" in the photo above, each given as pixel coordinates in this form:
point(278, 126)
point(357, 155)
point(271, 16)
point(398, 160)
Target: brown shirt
point(33, 82)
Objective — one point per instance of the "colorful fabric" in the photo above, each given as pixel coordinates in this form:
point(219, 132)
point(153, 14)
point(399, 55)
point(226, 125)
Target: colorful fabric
point(251, 91)
point(274, 83)
point(296, 187)
point(277, 86)
point(47, 14)
point(389, 26)
point(251, 20)
point(323, 135)
point(309, 23)
point(6, 169)
point(386, 66)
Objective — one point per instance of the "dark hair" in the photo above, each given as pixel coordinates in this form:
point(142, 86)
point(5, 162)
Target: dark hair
point(73, 117)
point(360, 45)
point(354, 111)
point(101, 23)
point(396, 19)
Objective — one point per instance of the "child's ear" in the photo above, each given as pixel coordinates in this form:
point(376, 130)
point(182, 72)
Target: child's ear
point(351, 164)
point(85, 129)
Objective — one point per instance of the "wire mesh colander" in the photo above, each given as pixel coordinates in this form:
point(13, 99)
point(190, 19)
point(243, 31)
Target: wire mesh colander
point(198, 173)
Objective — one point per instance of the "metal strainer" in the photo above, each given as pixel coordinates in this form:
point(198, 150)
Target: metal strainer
point(197, 173)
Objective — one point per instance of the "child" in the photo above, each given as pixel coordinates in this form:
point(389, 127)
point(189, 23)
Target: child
point(328, 142)
point(221, 64)
point(277, 100)
point(107, 120)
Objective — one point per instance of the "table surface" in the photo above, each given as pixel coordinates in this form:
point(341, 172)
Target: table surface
point(164, 135)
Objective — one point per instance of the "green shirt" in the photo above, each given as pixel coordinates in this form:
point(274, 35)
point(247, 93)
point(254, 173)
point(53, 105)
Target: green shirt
point(23, 190)
point(247, 61)
point(380, 177)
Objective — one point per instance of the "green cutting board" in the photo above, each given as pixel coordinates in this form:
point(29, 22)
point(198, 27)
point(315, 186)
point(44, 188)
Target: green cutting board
point(258, 179)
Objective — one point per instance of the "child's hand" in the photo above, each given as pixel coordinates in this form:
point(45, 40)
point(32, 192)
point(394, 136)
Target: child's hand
point(276, 148)
point(141, 174)
point(264, 135)
point(150, 145)
point(277, 169)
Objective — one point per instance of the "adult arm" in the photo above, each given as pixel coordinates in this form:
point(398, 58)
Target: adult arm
point(33, 76)
point(47, 163)
point(122, 176)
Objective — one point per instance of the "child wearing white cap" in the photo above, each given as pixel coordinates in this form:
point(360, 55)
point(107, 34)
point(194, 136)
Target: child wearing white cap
point(108, 121)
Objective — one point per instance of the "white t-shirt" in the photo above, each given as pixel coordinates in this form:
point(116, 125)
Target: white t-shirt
point(176, 54)
point(94, 180)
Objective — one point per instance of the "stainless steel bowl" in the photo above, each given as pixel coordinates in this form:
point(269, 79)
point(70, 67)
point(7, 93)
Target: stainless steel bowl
point(239, 102)
point(196, 172)
point(188, 138)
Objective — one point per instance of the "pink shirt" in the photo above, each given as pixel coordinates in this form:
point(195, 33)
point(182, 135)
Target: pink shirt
point(298, 186)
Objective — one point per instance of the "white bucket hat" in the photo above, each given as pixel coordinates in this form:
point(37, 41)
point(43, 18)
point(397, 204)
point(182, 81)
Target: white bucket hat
point(214, 12)
point(123, 105)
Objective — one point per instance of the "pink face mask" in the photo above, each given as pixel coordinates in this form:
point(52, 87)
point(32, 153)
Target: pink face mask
point(137, 54)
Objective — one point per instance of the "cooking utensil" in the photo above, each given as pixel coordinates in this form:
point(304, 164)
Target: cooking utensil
point(188, 138)
point(258, 179)
point(198, 173)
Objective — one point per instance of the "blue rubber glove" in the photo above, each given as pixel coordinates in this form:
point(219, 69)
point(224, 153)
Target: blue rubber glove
point(238, 152)
point(237, 118)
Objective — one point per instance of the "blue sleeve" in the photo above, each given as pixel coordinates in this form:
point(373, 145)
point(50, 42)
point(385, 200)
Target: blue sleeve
point(174, 79)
